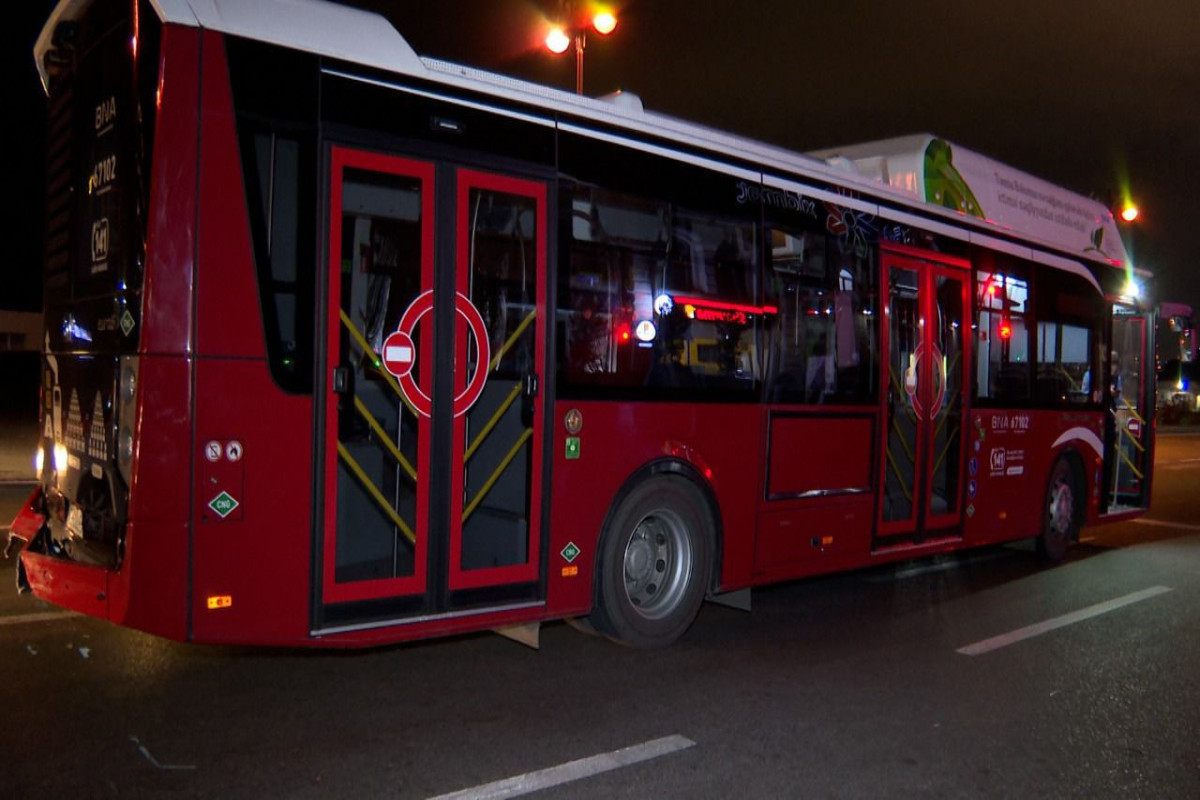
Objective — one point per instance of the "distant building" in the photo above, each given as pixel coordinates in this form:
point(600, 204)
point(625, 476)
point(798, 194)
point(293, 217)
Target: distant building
point(20, 331)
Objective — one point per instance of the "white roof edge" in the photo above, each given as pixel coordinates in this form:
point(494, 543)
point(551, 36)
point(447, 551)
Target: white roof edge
point(328, 29)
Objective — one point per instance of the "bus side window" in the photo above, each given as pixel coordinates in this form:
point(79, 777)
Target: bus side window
point(824, 344)
point(658, 296)
point(1067, 336)
point(1002, 336)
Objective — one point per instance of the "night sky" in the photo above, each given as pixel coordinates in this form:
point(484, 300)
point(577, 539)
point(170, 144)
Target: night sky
point(1095, 95)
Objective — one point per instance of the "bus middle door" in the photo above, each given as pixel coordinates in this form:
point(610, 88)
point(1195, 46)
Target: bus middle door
point(925, 380)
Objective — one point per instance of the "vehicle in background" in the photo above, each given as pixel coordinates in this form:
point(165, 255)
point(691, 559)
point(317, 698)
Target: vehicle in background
point(1175, 333)
point(1179, 386)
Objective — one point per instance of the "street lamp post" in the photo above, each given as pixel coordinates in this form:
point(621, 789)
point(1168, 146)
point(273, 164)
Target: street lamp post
point(562, 37)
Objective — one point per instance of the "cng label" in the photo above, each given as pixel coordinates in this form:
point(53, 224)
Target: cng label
point(223, 504)
point(570, 552)
point(127, 323)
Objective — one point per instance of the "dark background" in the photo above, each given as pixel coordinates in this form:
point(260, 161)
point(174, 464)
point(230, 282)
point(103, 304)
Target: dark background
point(1099, 96)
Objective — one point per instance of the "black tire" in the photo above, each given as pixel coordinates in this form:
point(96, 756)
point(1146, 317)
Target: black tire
point(1060, 513)
point(654, 562)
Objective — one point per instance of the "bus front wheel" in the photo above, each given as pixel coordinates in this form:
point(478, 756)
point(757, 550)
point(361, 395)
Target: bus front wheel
point(654, 563)
point(1060, 524)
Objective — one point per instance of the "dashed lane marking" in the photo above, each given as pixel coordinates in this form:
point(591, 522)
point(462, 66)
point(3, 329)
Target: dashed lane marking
point(44, 616)
point(1162, 523)
point(1021, 634)
point(572, 770)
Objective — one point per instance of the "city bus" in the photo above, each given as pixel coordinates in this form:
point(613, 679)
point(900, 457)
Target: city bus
point(348, 346)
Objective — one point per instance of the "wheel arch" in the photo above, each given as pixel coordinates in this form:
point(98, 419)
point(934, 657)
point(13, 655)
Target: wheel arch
point(1075, 461)
point(669, 467)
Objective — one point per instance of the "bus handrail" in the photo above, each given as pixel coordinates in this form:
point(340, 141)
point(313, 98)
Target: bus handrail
point(372, 490)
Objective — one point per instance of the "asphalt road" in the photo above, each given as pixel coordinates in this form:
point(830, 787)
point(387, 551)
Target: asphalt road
point(983, 675)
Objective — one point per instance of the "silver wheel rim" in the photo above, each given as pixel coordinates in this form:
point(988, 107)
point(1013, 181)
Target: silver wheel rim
point(1062, 508)
point(658, 562)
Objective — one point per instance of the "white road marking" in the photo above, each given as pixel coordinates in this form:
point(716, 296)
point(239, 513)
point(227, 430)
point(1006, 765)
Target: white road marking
point(1162, 523)
point(44, 616)
point(572, 770)
point(1012, 637)
point(149, 757)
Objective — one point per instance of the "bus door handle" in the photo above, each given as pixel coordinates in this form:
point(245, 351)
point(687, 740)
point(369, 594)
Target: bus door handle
point(342, 380)
point(531, 391)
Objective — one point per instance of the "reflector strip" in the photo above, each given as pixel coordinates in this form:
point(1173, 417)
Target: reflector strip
point(382, 436)
point(512, 340)
point(508, 401)
point(899, 476)
point(1129, 463)
point(1133, 440)
point(487, 487)
point(382, 501)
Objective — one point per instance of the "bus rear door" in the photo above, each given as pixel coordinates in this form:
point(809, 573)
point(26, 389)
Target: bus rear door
point(432, 423)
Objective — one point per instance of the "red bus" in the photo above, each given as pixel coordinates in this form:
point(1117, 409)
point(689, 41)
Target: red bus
point(347, 346)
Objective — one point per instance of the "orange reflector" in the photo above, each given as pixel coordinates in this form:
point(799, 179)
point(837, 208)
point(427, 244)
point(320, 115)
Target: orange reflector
point(571, 571)
point(220, 601)
point(826, 541)
point(1003, 515)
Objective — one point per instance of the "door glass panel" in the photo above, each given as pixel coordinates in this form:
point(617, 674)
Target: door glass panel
point(903, 405)
point(502, 274)
point(946, 411)
point(378, 435)
point(1128, 415)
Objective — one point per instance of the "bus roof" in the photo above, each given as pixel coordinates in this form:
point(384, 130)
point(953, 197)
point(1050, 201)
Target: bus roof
point(949, 175)
point(896, 171)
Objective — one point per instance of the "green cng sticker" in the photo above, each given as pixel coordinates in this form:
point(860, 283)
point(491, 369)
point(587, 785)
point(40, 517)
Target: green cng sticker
point(223, 504)
point(570, 552)
point(572, 447)
point(127, 324)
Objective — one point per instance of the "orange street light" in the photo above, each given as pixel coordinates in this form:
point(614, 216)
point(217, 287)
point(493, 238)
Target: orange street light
point(560, 38)
point(604, 23)
point(1129, 212)
point(557, 41)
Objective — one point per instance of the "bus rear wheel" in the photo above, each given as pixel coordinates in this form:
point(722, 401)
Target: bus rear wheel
point(655, 556)
point(1060, 523)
